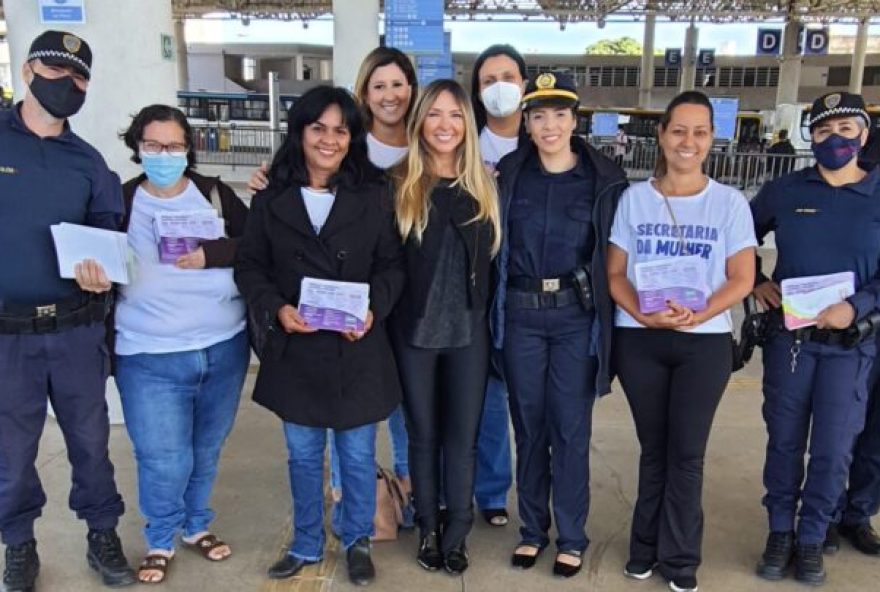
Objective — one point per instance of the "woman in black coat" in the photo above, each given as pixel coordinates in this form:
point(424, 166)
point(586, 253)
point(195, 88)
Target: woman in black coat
point(326, 214)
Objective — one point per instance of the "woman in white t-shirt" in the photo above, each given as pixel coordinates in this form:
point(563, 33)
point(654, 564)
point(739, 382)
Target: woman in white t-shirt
point(181, 350)
point(681, 254)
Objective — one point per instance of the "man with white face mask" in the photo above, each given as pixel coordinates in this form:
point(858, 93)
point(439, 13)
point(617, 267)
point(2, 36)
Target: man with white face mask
point(52, 334)
point(497, 84)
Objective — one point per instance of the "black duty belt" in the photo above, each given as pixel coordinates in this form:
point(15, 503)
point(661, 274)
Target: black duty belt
point(824, 336)
point(535, 300)
point(65, 314)
point(540, 285)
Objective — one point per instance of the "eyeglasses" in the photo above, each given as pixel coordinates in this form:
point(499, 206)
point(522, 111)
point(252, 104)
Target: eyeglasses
point(153, 147)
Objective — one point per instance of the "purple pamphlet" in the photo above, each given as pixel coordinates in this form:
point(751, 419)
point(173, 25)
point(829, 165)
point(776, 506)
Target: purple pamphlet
point(334, 306)
point(181, 232)
point(677, 279)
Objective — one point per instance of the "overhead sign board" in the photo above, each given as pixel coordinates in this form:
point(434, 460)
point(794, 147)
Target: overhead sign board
point(67, 12)
point(672, 57)
point(769, 42)
point(706, 58)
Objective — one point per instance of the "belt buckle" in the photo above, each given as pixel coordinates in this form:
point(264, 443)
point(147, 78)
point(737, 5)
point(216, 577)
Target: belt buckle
point(49, 310)
point(550, 285)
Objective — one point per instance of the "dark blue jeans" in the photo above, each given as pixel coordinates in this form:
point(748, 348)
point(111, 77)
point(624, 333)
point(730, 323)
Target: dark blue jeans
point(179, 408)
point(69, 368)
point(356, 449)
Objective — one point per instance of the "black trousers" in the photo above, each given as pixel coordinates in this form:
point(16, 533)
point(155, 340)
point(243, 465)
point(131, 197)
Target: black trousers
point(443, 393)
point(673, 382)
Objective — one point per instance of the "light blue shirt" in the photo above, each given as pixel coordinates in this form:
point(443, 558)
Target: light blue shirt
point(318, 205)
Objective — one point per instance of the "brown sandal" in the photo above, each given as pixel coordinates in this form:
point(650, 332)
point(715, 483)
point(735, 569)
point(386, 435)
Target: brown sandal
point(207, 543)
point(154, 562)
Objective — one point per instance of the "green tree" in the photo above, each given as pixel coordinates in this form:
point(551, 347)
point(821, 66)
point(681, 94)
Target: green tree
point(620, 46)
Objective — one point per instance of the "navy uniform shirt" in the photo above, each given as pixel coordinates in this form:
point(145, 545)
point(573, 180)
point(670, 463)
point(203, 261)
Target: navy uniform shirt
point(550, 220)
point(821, 229)
point(44, 181)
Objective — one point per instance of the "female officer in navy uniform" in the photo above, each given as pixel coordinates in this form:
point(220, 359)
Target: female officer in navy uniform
point(826, 220)
point(558, 197)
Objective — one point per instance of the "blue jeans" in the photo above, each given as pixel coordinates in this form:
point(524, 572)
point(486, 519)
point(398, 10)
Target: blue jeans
point(356, 449)
point(399, 456)
point(494, 474)
point(399, 449)
point(179, 408)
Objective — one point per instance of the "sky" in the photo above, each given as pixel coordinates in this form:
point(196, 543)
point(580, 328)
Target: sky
point(527, 37)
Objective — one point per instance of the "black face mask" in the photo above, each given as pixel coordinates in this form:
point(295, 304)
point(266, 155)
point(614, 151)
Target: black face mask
point(59, 96)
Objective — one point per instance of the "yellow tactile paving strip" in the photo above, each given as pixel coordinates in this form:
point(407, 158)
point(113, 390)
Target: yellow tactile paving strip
point(313, 578)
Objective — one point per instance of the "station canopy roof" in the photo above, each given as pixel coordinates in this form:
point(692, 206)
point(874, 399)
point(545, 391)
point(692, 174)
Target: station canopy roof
point(563, 11)
point(570, 10)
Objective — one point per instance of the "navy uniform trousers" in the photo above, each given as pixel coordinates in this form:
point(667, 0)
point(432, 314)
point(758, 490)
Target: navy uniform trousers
point(551, 376)
point(69, 368)
point(862, 499)
point(822, 403)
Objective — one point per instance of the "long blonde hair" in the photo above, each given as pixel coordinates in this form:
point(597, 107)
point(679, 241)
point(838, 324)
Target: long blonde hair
point(415, 179)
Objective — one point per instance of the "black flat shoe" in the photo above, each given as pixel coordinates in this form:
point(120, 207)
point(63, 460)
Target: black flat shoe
point(360, 567)
point(496, 516)
point(455, 562)
point(564, 570)
point(288, 566)
point(429, 556)
point(525, 560)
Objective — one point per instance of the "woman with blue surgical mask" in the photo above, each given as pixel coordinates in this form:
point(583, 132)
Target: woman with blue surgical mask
point(181, 351)
point(826, 225)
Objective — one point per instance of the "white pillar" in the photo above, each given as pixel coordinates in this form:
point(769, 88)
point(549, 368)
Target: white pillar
point(646, 75)
point(857, 73)
point(790, 66)
point(298, 67)
point(355, 34)
point(689, 59)
point(181, 55)
point(128, 71)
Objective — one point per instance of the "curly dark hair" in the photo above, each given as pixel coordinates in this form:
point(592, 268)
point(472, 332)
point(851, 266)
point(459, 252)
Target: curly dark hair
point(135, 132)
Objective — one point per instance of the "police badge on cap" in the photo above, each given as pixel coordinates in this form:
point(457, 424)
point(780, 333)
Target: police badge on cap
point(838, 104)
point(60, 48)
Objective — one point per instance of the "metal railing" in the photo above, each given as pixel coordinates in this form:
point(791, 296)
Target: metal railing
point(232, 145)
point(746, 170)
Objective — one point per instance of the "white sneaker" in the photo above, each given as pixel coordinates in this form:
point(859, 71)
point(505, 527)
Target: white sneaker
point(685, 587)
point(638, 571)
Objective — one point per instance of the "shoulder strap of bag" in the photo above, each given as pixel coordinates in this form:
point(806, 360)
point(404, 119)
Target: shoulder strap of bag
point(214, 198)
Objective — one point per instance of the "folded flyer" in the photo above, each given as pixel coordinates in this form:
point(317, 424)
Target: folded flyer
point(678, 279)
point(804, 298)
point(75, 243)
point(182, 232)
point(334, 306)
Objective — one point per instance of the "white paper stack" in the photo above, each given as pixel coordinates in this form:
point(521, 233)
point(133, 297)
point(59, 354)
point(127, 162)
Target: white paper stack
point(75, 243)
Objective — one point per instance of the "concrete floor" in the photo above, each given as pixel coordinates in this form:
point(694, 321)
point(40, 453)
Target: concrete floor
point(253, 502)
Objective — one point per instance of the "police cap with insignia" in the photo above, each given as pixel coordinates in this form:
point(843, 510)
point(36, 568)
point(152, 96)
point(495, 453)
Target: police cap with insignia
point(59, 48)
point(550, 88)
point(838, 104)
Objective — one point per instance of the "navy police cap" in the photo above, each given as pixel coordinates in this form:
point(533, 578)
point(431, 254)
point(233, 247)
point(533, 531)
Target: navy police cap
point(59, 48)
point(556, 88)
point(838, 104)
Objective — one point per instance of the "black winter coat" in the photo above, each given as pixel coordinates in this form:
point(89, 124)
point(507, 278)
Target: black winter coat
point(320, 379)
